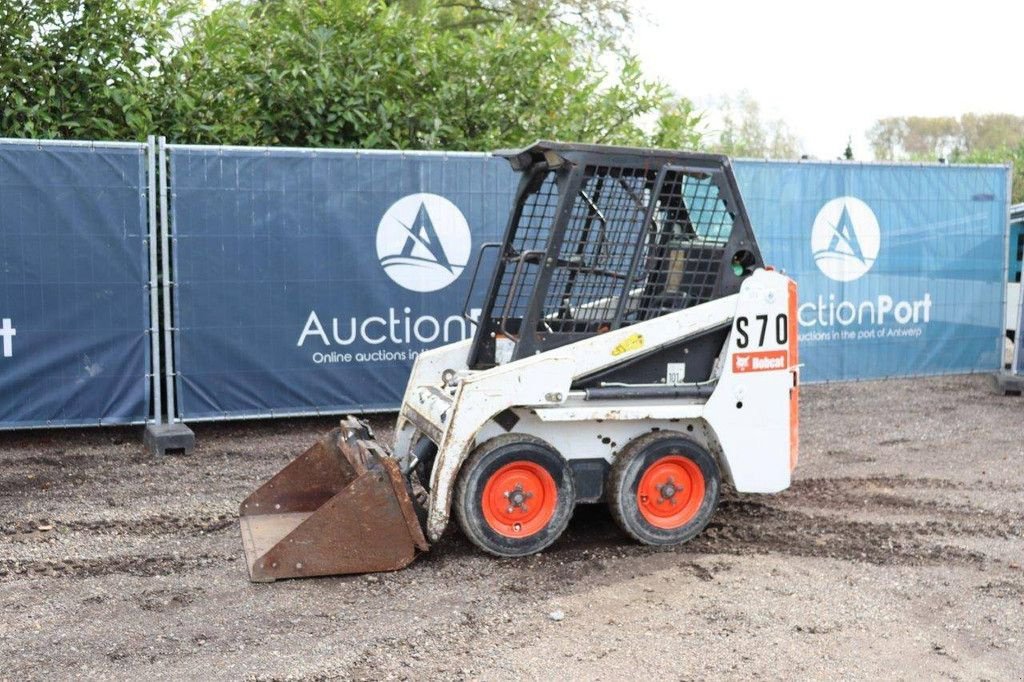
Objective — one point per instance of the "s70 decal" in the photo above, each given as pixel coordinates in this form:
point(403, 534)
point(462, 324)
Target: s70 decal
point(761, 331)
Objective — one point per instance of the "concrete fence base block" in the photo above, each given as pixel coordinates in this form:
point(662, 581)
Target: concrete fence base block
point(169, 439)
point(1010, 384)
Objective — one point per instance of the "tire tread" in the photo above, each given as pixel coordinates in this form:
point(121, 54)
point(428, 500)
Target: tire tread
point(470, 526)
point(618, 472)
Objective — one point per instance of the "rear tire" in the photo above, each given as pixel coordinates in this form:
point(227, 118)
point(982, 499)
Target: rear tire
point(663, 488)
point(514, 496)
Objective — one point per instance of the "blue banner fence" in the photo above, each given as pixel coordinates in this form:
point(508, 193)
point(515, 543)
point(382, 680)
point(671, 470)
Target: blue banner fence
point(307, 281)
point(298, 281)
point(901, 268)
point(75, 318)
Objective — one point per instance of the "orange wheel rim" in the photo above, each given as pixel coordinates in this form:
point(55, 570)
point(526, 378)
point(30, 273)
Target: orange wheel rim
point(670, 492)
point(519, 499)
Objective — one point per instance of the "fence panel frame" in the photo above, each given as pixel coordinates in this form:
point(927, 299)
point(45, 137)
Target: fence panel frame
point(273, 413)
point(1017, 364)
point(1006, 167)
point(154, 286)
point(147, 200)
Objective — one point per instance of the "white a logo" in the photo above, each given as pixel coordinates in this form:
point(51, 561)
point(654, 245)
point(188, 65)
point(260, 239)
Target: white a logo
point(845, 239)
point(423, 242)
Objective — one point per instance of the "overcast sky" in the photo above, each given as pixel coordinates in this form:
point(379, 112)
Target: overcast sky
point(831, 68)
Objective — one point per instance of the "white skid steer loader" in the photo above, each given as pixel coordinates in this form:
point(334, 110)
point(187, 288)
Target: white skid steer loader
point(632, 349)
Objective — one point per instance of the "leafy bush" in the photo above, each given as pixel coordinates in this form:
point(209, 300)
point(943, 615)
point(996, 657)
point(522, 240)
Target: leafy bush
point(82, 68)
point(338, 73)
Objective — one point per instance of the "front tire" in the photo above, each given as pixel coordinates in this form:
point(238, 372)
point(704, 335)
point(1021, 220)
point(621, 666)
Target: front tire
point(514, 496)
point(663, 488)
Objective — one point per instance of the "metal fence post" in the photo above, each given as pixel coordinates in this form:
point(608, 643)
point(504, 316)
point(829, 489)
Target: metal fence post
point(154, 283)
point(1009, 256)
point(165, 266)
point(1011, 381)
point(172, 436)
point(1018, 360)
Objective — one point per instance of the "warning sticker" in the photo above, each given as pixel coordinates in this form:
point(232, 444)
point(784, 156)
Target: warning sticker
point(630, 343)
point(760, 362)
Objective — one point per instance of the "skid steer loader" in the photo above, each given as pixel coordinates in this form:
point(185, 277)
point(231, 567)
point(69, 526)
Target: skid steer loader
point(632, 349)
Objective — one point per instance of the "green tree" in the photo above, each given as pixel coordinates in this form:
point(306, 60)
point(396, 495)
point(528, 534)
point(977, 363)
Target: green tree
point(742, 131)
point(678, 126)
point(82, 68)
point(848, 151)
point(603, 21)
point(925, 138)
point(991, 131)
point(1013, 155)
point(915, 137)
point(973, 138)
point(368, 73)
point(428, 74)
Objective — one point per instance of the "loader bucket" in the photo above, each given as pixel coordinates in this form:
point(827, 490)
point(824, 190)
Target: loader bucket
point(340, 507)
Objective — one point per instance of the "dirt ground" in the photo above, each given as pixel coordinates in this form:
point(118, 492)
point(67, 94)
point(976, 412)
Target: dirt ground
point(897, 553)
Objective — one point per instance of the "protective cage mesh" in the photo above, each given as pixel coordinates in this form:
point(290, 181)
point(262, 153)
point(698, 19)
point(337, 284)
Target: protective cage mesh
point(530, 242)
point(611, 270)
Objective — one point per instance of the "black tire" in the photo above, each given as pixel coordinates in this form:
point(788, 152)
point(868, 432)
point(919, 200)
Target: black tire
point(628, 470)
point(485, 461)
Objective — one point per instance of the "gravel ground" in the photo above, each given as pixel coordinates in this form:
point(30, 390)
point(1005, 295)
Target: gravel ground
point(897, 553)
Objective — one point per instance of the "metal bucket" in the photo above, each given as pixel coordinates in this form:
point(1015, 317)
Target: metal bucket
point(340, 507)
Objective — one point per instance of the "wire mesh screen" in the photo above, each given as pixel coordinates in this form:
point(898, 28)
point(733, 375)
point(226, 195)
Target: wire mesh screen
point(612, 270)
point(597, 250)
point(684, 247)
point(526, 251)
